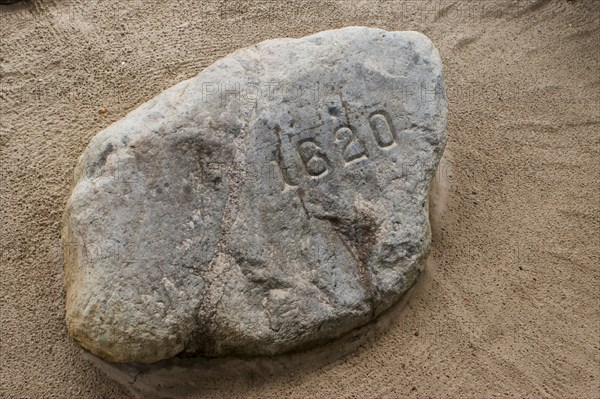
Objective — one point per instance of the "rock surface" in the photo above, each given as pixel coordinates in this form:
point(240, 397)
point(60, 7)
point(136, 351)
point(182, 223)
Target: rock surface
point(274, 202)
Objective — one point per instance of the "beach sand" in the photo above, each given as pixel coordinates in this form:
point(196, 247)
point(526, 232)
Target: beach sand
point(509, 304)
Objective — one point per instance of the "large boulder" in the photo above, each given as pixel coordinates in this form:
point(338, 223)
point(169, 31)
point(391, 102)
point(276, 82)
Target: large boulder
point(274, 202)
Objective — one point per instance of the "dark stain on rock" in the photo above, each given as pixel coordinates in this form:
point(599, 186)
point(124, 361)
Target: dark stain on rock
point(94, 170)
point(333, 110)
point(359, 234)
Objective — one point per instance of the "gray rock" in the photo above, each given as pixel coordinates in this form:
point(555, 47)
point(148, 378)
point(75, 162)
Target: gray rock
point(274, 202)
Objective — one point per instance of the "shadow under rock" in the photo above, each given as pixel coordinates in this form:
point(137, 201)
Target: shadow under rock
point(176, 378)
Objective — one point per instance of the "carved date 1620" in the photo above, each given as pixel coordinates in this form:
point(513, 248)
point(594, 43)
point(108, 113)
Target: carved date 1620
point(317, 163)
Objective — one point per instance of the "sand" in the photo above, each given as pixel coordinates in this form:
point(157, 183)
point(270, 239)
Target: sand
point(509, 305)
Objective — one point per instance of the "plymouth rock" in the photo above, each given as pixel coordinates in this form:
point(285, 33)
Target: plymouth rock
point(274, 202)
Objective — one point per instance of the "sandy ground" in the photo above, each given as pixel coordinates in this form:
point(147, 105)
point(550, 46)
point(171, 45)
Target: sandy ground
point(510, 303)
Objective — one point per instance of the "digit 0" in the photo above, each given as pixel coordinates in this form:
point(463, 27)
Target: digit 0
point(382, 128)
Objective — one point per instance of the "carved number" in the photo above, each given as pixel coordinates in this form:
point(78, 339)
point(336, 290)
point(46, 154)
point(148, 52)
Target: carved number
point(353, 147)
point(315, 161)
point(382, 128)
